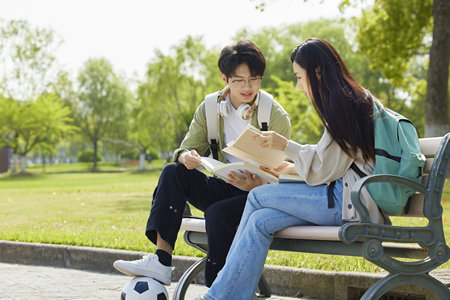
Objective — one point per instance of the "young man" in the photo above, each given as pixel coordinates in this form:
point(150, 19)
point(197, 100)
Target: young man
point(242, 66)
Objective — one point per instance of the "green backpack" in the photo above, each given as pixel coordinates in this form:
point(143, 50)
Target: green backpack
point(397, 151)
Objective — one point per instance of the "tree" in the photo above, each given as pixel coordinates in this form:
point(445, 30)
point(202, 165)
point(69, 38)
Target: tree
point(102, 105)
point(174, 86)
point(396, 37)
point(26, 125)
point(27, 60)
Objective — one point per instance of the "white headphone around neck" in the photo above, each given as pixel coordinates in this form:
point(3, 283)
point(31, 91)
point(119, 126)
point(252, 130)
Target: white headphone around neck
point(245, 111)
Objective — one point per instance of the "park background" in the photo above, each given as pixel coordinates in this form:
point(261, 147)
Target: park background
point(86, 139)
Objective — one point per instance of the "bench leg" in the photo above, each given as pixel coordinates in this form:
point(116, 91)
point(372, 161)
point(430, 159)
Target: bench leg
point(392, 280)
point(186, 279)
point(199, 266)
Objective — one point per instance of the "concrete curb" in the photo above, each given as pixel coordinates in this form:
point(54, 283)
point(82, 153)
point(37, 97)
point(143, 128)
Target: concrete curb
point(285, 281)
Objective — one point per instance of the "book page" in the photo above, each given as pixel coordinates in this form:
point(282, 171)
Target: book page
point(210, 163)
point(238, 167)
point(246, 148)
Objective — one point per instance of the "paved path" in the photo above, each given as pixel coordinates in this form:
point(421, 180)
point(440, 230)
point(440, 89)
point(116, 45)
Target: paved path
point(42, 282)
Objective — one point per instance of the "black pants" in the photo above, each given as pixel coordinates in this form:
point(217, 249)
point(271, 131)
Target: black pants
point(222, 203)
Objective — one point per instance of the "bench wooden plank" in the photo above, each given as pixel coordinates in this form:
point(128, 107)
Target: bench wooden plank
point(323, 233)
point(428, 146)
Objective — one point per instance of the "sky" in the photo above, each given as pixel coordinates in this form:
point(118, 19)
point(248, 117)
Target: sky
point(127, 32)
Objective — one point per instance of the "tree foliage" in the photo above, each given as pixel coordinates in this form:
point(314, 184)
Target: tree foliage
point(102, 106)
point(27, 59)
point(174, 86)
point(398, 37)
point(27, 124)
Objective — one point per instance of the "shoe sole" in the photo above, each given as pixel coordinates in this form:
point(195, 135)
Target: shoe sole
point(143, 273)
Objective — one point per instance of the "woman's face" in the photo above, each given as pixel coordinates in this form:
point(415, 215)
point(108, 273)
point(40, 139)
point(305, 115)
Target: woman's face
point(302, 79)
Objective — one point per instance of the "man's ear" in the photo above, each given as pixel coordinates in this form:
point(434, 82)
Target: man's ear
point(224, 78)
point(318, 73)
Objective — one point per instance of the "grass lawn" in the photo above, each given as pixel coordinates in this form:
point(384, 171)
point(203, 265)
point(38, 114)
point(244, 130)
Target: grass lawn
point(69, 205)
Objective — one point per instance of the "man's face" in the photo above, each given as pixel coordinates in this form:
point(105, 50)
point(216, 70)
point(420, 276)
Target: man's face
point(243, 86)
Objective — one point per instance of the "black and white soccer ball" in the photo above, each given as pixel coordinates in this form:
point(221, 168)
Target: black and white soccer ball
point(144, 288)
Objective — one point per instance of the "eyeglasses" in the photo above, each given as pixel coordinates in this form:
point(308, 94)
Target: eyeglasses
point(241, 83)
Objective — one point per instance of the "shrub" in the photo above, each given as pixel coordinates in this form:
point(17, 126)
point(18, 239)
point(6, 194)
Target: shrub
point(88, 156)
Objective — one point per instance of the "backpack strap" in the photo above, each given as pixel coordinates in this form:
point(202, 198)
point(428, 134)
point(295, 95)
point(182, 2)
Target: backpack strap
point(211, 122)
point(357, 170)
point(264, 109)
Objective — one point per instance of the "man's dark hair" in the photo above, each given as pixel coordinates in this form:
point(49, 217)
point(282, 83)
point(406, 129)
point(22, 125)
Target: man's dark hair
point(244, 51)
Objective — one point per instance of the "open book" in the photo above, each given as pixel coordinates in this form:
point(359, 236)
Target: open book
point(252, 155)
point(222, 170)
point(248, 149)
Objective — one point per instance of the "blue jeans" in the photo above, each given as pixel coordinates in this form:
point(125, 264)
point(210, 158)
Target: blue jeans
point(270, 208)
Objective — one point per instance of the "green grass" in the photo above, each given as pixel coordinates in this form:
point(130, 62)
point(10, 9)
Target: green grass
point(69, 205)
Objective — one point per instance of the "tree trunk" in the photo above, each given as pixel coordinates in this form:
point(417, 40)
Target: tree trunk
point(94, 167)
point(23, 163)
point(142, 161)
point(14, 163)
point(436, 107)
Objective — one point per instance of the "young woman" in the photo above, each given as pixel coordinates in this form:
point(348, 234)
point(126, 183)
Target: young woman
point(345, 109)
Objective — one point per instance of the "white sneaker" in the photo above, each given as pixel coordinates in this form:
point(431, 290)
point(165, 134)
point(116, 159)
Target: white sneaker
point(148, 266)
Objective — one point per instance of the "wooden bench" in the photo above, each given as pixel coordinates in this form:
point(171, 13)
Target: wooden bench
point(380, 244)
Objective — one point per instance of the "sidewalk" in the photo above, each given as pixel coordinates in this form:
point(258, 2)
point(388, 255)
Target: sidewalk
point(48, 271)
point(42, 282)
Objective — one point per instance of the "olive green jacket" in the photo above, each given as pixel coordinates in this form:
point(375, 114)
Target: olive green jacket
point(197, 136)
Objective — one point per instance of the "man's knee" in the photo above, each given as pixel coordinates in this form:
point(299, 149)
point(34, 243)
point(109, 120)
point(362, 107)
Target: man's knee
point(174, 170)
point(213, 218)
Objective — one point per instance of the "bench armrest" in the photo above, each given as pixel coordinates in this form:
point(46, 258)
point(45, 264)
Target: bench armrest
point(359, 184)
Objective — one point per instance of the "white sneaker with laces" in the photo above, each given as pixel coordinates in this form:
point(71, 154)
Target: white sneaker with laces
point(148, 266)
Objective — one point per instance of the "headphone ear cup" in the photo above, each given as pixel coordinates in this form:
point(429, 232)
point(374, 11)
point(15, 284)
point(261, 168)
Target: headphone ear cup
point(245, 111)
point(223, 109)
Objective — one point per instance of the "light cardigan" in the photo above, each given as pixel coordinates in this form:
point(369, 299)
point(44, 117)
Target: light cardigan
point(327, 162)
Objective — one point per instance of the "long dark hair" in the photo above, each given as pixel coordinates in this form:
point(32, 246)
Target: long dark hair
point(343, 105)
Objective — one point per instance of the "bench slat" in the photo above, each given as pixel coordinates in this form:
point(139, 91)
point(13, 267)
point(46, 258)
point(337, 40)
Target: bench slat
point(429, 146)
point(323, 233)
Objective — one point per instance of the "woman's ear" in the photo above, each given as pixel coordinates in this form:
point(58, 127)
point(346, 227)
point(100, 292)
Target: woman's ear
point(318, 73)
point(224, 78)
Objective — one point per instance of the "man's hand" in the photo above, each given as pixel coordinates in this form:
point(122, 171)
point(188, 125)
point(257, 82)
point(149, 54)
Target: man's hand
point(190, 159)
point(247, 183)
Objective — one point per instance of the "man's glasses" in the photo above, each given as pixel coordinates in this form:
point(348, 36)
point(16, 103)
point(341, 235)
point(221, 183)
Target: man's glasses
point(241, 83)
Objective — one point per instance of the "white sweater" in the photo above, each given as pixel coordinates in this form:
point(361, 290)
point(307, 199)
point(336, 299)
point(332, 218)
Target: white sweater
point(327, 162)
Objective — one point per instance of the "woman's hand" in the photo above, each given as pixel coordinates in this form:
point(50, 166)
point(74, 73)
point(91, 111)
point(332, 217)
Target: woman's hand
point(190, 159)
point(284, 168)
point(247, 183)
point(272, 140)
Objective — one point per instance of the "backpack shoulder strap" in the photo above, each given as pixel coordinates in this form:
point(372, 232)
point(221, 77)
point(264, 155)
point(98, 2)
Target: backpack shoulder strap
point(264, 110)
point(211, 122)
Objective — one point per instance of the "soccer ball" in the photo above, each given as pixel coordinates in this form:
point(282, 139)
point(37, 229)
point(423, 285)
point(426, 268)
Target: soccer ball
point(144, 288)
